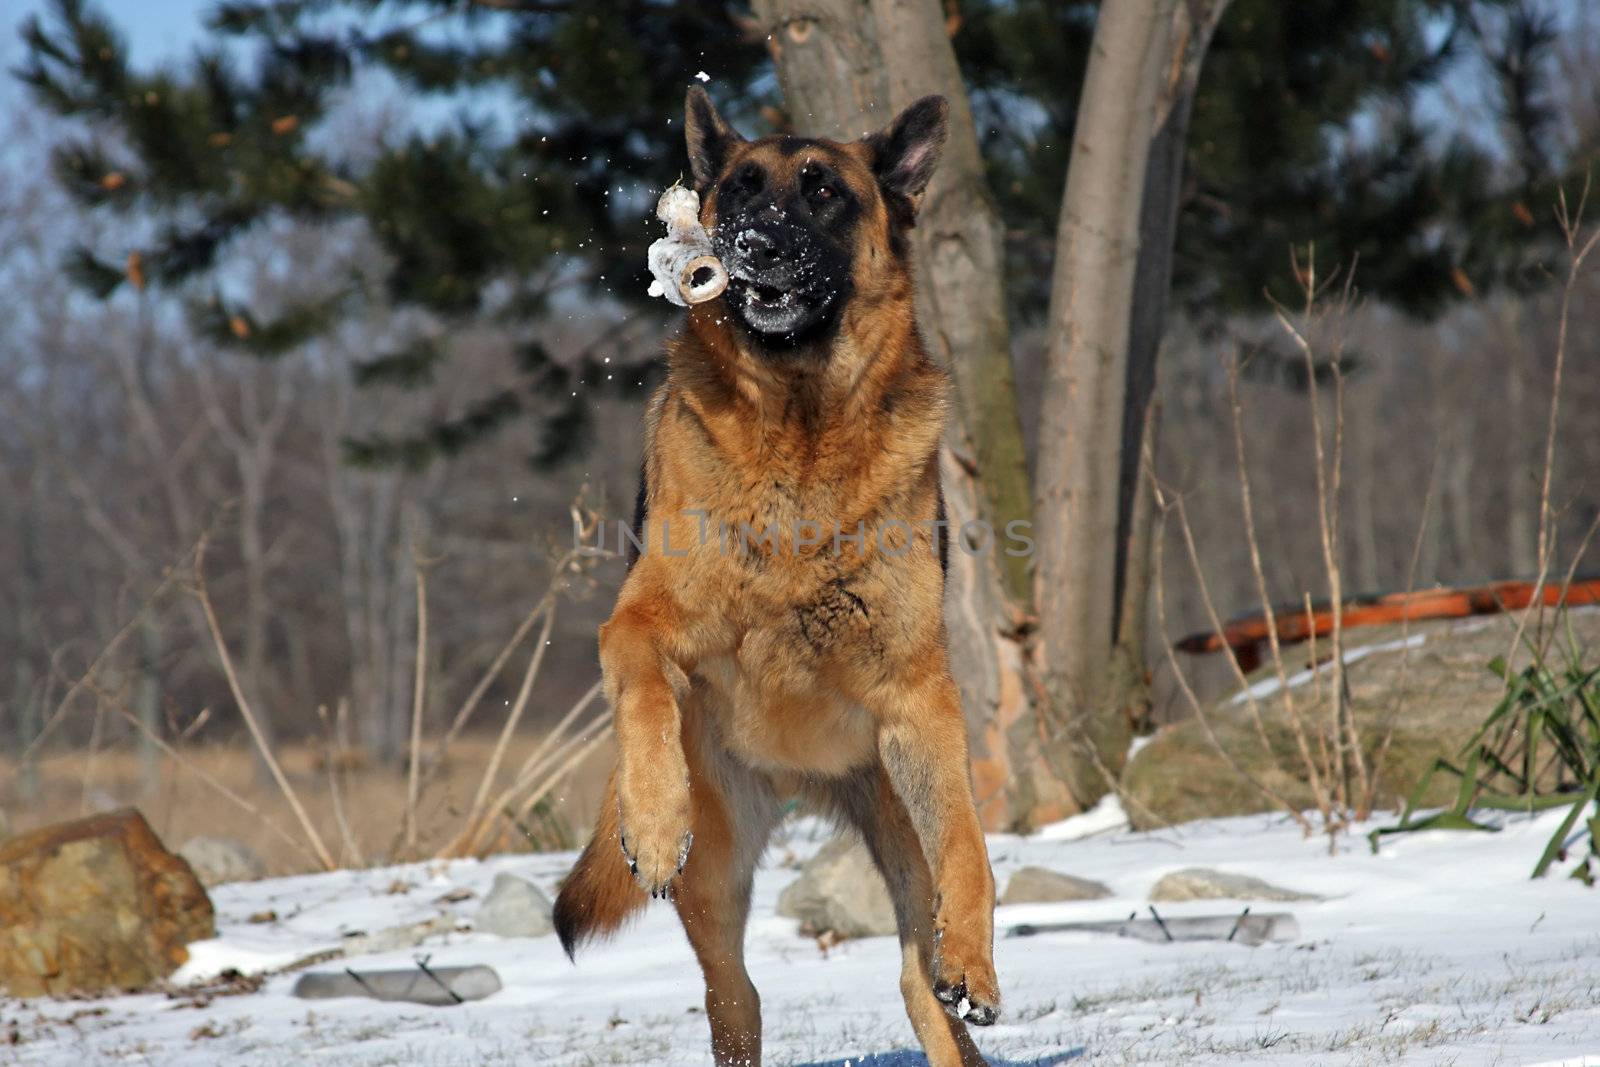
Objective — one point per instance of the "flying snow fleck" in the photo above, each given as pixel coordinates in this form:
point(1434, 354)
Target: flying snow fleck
point(703, 76)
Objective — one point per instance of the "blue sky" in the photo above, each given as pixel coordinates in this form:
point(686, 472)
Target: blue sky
point(156, 29)
point(159, 29)
point(162, 30)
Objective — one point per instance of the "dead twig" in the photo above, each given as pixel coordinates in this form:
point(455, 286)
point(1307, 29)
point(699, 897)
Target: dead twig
point(536, 757)
point(1173, 502)
point(332, 755)
point(1343, 735)
point(566, 767)
point(245, 711)
point(199, 772)
point(1381, 753)
point(94, 665)
point(544, 768)
point(1571, 222)
point(584, 524)
point(94, 755)
point(478, 813)
point(418, 692)
point(1258, 571)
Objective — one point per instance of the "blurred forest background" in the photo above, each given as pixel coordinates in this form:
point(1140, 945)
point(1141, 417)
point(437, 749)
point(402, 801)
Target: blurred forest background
point(355, 291)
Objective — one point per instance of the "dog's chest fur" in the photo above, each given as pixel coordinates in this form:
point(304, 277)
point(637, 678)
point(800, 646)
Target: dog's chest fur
point(798, 634)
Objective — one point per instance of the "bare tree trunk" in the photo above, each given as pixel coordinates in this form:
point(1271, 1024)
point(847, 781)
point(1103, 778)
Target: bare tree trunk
point(1129, 682)
point(1363, 480)
point(1145, 53)
point(252, 555)
point(364, 517)
point(1128, 675)
point(28, 720)
point(961, 263)
point(25, 692)
point(829, 66)
point(846, 66)
point(1522, 498)
point(372, 514)
point(252, 440)
point(147, 705)
point(1458, 475)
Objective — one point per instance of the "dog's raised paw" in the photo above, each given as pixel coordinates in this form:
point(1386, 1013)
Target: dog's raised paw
point(963, 1005)
point(653, 869)
point(964, 1002)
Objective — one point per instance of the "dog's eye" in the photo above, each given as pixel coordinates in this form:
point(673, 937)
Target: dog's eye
point(815, 184)
point(822, 192)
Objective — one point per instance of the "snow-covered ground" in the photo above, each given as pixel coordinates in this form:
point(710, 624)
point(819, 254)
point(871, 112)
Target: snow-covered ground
point(1437, 950)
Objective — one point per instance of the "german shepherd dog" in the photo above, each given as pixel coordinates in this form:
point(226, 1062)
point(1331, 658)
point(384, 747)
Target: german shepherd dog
point(781, 634)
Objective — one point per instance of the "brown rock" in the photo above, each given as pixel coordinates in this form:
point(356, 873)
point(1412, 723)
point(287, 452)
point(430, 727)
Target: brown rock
point(95, 905)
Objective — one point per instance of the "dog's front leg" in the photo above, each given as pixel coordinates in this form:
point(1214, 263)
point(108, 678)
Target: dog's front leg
point(922, 741)
point(653, 776)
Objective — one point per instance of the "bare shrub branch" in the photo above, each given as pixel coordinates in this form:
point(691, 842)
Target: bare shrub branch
point(1173, 503)
point(199, 772)
point(419, 688)
point(333, 755)
point(1578, 249)
point(249, 716)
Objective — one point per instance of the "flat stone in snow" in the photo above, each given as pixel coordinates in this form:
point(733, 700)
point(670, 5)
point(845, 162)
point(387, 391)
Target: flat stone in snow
point(840, 889)
point(221, 859)
point(438, 986)
point(515, 907)
point(1040, 885)
point(1205, 883)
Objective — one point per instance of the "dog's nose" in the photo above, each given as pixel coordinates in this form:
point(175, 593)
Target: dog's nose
point(760, 248)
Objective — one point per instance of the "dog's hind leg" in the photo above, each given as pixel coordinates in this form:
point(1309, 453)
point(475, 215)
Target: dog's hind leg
point(734, 811)
point(868, 801)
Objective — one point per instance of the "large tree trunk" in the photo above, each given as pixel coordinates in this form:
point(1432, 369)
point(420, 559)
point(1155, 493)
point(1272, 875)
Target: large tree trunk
point(846, 66)
point(1113, 256)
point(1129, 681)
point(961, 265)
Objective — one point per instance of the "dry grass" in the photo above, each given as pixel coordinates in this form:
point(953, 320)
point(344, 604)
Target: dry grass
point(374, 798)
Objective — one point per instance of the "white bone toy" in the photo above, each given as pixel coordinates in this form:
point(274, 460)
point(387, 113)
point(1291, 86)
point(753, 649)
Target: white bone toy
point(686, 270)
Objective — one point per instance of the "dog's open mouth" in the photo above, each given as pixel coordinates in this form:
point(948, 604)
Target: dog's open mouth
point(770, 294)
point(767, 295)
point(768, 308)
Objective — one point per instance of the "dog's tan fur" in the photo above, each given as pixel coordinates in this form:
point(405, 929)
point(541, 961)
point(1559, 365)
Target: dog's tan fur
point(745, 671)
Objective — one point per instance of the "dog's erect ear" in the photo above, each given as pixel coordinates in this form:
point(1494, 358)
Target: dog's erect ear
point(905, 152)
point(710, 138)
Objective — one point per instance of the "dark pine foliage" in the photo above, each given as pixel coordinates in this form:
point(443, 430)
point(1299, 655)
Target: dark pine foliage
point(1316, 122)
point(571, 120)
point(1309, 127)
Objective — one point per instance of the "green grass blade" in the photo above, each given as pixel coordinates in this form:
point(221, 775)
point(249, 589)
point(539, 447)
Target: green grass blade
point(1557, 841)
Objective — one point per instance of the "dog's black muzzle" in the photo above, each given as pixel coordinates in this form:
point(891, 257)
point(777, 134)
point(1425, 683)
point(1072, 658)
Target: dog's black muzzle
point(785, 278)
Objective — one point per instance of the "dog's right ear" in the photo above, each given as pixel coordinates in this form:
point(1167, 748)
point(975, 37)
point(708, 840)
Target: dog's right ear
point(710, 138)
point(906, 152)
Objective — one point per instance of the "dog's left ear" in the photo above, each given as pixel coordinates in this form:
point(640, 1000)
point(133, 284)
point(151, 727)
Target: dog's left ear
point(710, 138)
point(906, 151)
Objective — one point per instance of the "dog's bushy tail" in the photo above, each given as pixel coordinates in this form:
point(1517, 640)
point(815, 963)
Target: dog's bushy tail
point(600, 893)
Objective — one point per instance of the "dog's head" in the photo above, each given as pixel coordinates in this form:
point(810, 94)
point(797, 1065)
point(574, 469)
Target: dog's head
point(805, 226)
